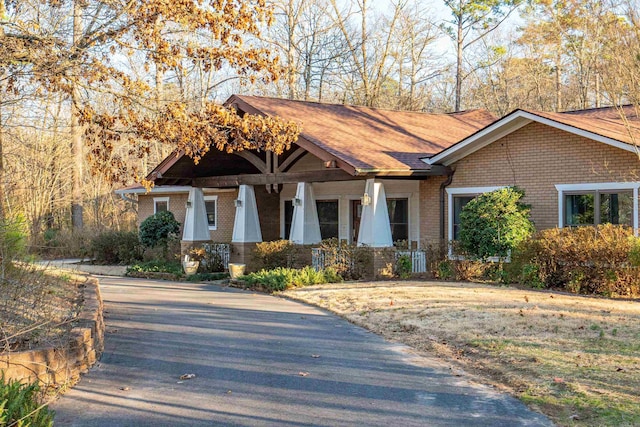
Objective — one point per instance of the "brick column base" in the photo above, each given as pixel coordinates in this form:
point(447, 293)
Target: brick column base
point(384, 263)
point(242, 253)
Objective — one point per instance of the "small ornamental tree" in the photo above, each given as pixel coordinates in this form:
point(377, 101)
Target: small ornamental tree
point(494, 223)
point(156, 230)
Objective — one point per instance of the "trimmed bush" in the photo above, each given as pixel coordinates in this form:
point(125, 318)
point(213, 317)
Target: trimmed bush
point(271, 255)
point(599, 260)
point(19, 405)
point(117, 247)
point(158, 228)
point(404, 266)
point(494, 223)
point(280, 279)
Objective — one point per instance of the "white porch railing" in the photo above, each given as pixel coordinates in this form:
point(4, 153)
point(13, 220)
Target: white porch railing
point(418, 260)
point(220, 251)
point(317, 259)
point(339, 257)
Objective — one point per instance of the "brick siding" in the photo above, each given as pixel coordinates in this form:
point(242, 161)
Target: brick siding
point(535, 158)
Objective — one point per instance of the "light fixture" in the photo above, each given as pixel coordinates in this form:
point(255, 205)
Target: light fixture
point(365, 200)
point(297, 202)
point(237, 203)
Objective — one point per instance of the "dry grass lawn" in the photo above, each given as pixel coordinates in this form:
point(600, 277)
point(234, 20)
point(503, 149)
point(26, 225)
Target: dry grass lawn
point(37, 307)
point(574, 358)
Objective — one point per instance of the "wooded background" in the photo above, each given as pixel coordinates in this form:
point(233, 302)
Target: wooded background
point(93, 94)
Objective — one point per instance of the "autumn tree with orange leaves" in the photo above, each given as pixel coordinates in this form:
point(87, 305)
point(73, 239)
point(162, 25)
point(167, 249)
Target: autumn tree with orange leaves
point(84, 50)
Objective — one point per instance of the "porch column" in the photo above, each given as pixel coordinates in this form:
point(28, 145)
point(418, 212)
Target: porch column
point(246, 227)
point(196, 226)
point(305, 227)
point(375, 228)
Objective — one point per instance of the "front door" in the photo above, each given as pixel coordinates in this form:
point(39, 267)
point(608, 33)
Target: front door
point(356, 215)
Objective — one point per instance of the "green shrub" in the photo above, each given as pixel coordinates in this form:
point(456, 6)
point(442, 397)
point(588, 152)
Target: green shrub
point(590, 260)
point(158, 228)
point(157, 266)
point(13, 238)
point(271, 255)
point(494, 223)
point(117, 247)
point(19, 405)
point(445, 270)
point(280, 279)
point(404, 266)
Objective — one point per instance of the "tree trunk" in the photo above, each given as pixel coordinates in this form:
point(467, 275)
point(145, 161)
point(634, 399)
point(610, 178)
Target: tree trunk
point(558, 89)
point(291, 22)
point(459, 49)
point(2, 195)
point(77, 220)
point(3, 12)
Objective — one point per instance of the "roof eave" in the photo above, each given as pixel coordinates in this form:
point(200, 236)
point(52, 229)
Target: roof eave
point(509, 124)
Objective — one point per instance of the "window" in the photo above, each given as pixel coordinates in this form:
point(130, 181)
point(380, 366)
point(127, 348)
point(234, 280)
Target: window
point(601, 203)
point(328, 218)
point(457, 199)
point(599, 207)
point(459, 203)
point(160, 204)
point(211, 205)
point(399, 218)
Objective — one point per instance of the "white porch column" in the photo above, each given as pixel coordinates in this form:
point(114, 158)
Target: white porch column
point(196, 227)
point(305, 227)
point(246, 227)
point(375, 228)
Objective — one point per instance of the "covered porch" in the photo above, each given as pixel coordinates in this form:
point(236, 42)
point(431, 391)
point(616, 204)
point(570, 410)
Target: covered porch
point(353, 175)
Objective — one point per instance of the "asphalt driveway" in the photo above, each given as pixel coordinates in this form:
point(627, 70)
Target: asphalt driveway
point(261, 360)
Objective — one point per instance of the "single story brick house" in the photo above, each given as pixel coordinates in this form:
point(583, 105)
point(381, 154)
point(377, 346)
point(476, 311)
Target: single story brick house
point(375, 177)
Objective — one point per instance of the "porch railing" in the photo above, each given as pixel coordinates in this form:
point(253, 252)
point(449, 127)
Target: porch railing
point(339, 257)
point(418, 259)
point(219, 251)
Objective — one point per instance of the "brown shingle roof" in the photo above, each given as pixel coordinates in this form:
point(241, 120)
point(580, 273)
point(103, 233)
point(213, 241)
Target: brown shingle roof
point(607, 122)
point(370, 138)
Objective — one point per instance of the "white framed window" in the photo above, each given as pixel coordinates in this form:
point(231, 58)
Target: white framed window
point(160, 204)
point(598, 203)
point(211, 205)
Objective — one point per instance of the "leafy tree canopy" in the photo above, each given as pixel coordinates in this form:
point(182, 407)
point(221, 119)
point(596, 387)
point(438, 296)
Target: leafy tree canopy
point(109, 51)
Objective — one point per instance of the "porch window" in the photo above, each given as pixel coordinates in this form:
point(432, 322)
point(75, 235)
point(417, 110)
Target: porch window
point(328, 218)
point(459, 203)
point(399, 218)
point(160, 204)
point(211, 205)
point(598, 207)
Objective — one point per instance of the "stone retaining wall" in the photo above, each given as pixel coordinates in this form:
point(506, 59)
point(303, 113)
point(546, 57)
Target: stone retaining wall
point(58, 366)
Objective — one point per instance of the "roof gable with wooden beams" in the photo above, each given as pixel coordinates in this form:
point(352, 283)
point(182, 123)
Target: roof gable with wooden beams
point(352, 142)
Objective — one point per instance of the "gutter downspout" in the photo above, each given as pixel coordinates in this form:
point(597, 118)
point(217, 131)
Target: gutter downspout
point(444, 185)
